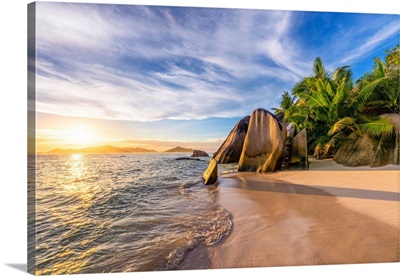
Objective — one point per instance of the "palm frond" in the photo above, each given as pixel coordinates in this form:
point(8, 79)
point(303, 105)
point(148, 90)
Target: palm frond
point(377, 104)
point(381, 126)
point(315, 100)
point(362, 119)
point(303, 86)
point(343, 73)
point(366, 77)
point(340, 95)
point(363, 93)
point(277, 110)
point(319, 69)
point(346, 122)
point(380, 68)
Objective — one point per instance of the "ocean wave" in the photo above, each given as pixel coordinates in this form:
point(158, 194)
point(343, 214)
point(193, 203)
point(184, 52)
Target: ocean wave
point(132, 213)
point(208, 230)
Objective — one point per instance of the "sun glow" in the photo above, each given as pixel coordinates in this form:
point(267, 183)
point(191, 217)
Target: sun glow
point(79, 135)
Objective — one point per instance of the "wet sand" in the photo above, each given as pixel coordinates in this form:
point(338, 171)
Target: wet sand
point(327, 215)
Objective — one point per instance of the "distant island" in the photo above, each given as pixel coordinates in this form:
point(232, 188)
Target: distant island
point(107, 149)
point(180, 149)
point(100, 150)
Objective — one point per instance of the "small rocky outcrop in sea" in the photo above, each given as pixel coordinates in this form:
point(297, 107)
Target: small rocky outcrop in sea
point(231, 148)
point(199, 153)
point(367, 150)
point(264, 143)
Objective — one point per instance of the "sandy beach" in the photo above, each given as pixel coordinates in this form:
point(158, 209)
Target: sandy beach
point(329, 214)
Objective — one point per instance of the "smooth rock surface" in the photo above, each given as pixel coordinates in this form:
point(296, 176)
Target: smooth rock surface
point(210, 176)
point(231, 148)
point(299, 152)
point(264, 143)
point(291, 130)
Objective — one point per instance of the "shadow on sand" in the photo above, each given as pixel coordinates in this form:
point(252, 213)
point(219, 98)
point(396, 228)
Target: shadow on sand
point(286, 187)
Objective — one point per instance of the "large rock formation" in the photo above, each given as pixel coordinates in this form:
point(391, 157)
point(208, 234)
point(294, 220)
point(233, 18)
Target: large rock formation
point(368, 150)
point(280, 117)
point(264, 143)
point(324, 151)
point(231, 148)
point(258, 143)
point(199, 153)
point(291, 130)
point(210, 176)
point(299, 152)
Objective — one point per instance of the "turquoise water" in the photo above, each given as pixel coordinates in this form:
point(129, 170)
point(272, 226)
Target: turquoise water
point(121, 213)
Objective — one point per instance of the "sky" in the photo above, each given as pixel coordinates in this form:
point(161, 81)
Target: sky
point(142, 75)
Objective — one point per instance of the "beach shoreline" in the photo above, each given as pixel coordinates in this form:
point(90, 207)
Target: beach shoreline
point(329, 214)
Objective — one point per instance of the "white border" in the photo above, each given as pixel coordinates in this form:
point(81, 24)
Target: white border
point(13, 128)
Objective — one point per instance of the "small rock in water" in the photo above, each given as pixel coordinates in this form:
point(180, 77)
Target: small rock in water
point(188, 158)
point(199, 153)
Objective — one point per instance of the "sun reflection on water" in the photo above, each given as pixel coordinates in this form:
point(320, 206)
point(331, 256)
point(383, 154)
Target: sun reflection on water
point(77, 166)
point(78, 183)
point(78, 192)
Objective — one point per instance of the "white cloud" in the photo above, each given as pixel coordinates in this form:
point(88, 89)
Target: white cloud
point(371, 42)
point(66, 25)
point(107, 95)
point(104, 91)
point(154, 63)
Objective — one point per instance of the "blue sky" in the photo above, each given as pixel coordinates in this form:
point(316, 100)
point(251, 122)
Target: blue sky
point(195, 70)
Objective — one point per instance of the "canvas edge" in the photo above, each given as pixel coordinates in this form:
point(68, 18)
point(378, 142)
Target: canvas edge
point(31, 139)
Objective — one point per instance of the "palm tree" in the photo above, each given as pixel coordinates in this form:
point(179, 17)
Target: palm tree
point(318, 99)
point(330, 107)
point(376, 93)
point(385, 97)
point(286, 102)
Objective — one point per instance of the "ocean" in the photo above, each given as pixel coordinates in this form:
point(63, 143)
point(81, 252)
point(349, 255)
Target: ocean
point(121, 213)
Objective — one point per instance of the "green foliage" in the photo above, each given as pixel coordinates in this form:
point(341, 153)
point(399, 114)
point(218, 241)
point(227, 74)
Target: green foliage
point(330, 106)
point(342, 124)
point(286, 102)
point(378, 127)
point(384, 97)
point(322, 97)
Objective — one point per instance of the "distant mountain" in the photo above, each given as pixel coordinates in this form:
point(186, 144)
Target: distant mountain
point(180, 149)
point(100, 150)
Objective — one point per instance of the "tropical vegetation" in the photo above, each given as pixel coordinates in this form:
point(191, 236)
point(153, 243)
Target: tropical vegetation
point(331, 105)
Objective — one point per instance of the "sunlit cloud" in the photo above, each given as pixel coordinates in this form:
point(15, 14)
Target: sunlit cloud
point(141, 63)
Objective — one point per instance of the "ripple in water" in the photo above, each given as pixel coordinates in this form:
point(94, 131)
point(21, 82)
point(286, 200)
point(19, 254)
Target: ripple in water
point(121, 213)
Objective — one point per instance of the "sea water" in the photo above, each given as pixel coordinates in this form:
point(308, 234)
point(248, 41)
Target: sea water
point(119, 213)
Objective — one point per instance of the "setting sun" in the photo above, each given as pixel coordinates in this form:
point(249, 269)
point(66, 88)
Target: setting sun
point(79, 135)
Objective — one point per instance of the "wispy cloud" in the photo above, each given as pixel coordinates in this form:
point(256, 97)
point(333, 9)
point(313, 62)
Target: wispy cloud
point(371, 42)
point(151, 63)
